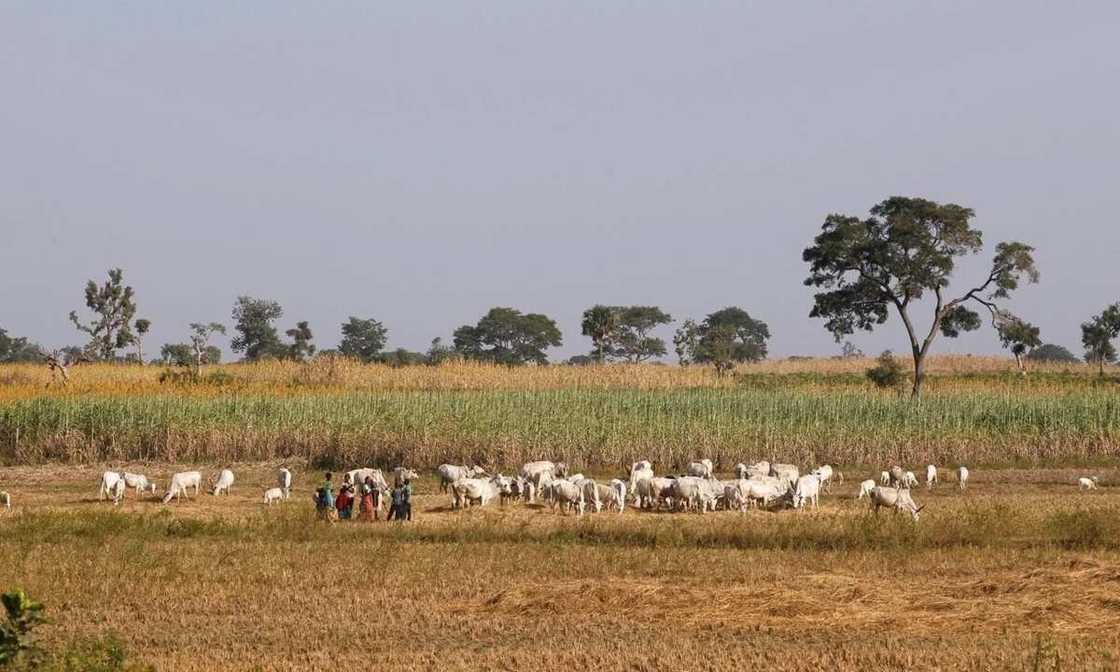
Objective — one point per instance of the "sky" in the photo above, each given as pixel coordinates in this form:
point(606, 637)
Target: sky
point(419, 163)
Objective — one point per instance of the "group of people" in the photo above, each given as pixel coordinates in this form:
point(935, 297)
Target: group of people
point(368, 497)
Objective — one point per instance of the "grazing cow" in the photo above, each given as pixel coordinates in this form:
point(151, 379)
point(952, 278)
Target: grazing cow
point(898, 499)
point(715, 490)
point(466, 491)
point(885, 478)
point(568, 496)
point(661, 491)
point(962, 476)
point(139, 483)
point(780, 484)
point(1089, 483)
point(808, 489)
point(898, 477)
point(824, 473)
point(931, 475)
point(762, 492)
point(108, 485)
point(514, 489)
point(865, 488)
point(273, 495)
point(910, 479)
point(787, 472)
point(179, 484)
point(449, 473)
point(223, 484)
point(284, 480)
point(590, 494)
point(740, 493)
point(691, 492)
point(701, 469)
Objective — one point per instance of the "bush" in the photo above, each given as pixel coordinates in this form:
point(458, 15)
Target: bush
point(887, 373)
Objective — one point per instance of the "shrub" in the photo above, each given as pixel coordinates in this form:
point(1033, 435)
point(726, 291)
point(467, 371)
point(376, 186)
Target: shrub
point(887, 373)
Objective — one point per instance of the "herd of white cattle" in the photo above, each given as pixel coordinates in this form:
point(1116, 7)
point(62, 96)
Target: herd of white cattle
point(762, 484)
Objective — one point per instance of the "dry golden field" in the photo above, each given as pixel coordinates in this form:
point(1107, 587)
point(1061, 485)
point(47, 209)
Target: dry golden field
point(1017, 573)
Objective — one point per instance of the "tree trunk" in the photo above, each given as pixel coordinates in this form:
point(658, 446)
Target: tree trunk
point(140, 350)
point(1019, 363)
point(919, 375)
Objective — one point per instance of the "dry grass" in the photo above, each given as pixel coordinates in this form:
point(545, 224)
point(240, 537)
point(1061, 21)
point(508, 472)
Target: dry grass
point(225, 583)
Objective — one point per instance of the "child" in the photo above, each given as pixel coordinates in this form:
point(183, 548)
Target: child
point(369, 506)
point(324, 501)
point(344, 503)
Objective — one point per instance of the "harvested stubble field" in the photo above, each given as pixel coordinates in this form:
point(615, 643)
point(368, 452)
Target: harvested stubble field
point(1021, 559)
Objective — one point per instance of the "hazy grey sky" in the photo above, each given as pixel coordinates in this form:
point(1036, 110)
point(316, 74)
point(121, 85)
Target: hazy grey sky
point(422, 162)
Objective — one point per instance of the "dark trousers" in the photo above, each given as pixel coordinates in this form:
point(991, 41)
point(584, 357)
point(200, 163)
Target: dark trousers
point(400, 512)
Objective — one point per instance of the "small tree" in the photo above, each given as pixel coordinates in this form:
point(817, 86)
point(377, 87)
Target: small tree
point(718, 347)
point(257, 336)
point(439, 352)
point(633, 342)
point(142, 327)
point(907, 249)
point(747, 335)
point(599, 324)
point(17, 349)
point(1097, 335)
point(114, 306)
point(301, 348)
point(685, 342)
point(204, 353)
point(1021, 337)
point(849, 351)
point(362, 339)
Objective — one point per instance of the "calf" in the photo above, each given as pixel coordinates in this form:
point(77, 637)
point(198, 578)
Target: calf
point(273, 495)
point(931, 475)
point(1089, 483)
point(223, 484)
point(885, 478)
point(865, 488)
point(962, 476)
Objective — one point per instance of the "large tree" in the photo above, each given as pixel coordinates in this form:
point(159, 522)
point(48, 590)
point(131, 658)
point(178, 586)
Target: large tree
point(1051, 353)
point(256, 333)
point(113, 305)
point(362, 339)
point(301, 347)
point(904, 251)
point(1097, 335)
point(505, 336)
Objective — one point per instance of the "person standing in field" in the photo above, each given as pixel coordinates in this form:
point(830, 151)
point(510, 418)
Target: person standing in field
point(368, 508)
point(401, 506)
point(324, 500)
point(345, 502)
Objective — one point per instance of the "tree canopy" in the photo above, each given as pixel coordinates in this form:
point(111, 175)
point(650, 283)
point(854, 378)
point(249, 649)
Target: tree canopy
point(622, 332)
point(362, 339)
point(113, 305)
point(904, 251)
point(256, 333)
point(1097, 335)
point(724, 338)
point(1049, 352)
point(301, 348)
point(17, 349)
point(505, 336)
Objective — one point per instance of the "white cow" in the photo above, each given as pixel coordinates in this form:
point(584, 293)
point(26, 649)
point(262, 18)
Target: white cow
point(140, 483)
point(741, 471)
point(568, 496)
point(898, 499)
point(701, 469)
point(5, 499)
point(357, 477)
point(741, 493)
point(691, 492)
point(591, 497)
point(962, 476)
point(865, 488)
point(1089, 483)
point(661, 491)
point(223, 484)
point(273, 495)
point(760, 468)
point(808, 489)
point(542, 473)
point(885, 478)
point(931, 475)
point(118, 491)
point(449, 473)
point(898, 477)
point(179, 484)
point(284, 481)
point(466, 491)
point(787, 472)
point(402, 474)
point(824, 473)
point(109, 481)
point(910, 479)
point(639, 471)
